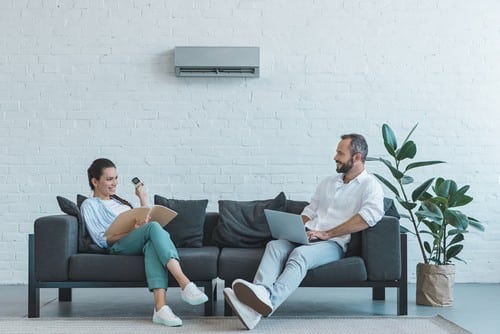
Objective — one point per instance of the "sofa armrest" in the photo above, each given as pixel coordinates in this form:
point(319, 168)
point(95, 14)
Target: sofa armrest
point(56, 239)
point(381, 250)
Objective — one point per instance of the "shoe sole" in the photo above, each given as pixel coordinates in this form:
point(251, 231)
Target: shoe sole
point(169, 324)
point(248, 297)
point(199, 301)
point(228, 300)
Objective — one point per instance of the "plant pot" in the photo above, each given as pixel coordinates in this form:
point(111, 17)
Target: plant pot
point(435, 284)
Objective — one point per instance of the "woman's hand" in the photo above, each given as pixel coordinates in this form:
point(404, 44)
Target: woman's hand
point(140, 222)
point(141, 192)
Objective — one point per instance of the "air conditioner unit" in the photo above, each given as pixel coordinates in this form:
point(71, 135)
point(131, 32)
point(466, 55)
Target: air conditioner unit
point(216, 61)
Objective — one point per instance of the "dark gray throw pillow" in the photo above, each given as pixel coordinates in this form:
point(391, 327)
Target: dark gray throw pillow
point(295, 207)
point(85, 243)
point(186, 229)
point(243, 224)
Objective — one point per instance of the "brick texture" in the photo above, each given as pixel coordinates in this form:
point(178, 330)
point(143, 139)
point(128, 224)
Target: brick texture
point(86, 79)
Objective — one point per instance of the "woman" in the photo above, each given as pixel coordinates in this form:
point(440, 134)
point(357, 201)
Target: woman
point(147, 238)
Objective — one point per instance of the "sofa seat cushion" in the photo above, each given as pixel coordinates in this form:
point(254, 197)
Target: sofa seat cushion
point(199, 264)
point(243, 263)
point(239, 263)
point(108, 268)
point(346, 270)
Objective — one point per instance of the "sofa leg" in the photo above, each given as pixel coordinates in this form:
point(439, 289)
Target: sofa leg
point(378, 294)
point(33, 290)
point(403, 287)
point(208, 288)
point(228, 311)
point(65, 294)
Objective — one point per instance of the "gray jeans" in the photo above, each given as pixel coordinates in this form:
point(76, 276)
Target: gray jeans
point(284, 265)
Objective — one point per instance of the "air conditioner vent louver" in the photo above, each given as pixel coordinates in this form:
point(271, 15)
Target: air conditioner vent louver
point(208, 61)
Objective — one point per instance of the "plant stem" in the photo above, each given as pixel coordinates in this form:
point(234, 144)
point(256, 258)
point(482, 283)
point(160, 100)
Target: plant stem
point(415, 227)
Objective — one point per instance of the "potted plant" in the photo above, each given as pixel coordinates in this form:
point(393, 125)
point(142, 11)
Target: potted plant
point(433, 217)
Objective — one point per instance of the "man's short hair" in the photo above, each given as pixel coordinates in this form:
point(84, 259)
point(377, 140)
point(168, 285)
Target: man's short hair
point(358, 145)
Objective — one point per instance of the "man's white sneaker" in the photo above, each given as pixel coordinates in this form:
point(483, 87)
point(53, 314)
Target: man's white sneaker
point(255, 296)
point(247, 315)
point(192, 295)
point(166, 317)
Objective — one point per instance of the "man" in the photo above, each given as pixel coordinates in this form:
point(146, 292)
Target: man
point(343, 204)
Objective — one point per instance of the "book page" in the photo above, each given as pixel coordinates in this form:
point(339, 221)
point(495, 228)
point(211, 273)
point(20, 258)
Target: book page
point(126, 221)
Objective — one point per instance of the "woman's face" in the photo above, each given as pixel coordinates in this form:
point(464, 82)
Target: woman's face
point(106, 185)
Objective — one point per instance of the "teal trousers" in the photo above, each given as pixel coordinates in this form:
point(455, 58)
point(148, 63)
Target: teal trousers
point(155, 243)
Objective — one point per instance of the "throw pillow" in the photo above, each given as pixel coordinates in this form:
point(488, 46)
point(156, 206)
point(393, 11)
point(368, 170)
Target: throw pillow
point(70, 208)
point(186, 229)
point(295, 207)
point(243, 223)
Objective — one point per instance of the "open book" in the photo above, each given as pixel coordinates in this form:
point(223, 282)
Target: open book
point(125, 221)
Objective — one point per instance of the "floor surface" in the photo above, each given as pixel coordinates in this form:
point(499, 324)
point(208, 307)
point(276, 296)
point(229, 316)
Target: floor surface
point(476, 306)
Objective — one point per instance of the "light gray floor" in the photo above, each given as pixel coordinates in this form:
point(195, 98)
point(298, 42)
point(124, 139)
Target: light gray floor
point(476, 306)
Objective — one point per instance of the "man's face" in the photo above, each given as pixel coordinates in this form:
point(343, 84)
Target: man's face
point(343, 158)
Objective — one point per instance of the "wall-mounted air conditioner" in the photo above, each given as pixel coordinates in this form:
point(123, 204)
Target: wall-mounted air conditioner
point(216, 61)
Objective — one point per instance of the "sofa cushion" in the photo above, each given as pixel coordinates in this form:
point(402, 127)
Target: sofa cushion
point(243, 224)
point(186, 229)
point(199, 264)
point(85, 243)
point(239, 263)
point(346, 270)
point(295, 207)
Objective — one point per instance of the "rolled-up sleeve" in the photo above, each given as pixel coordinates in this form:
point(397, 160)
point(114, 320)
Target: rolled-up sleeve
point(372, 207)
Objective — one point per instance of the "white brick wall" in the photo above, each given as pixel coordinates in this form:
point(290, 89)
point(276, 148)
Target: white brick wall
point(86, 79)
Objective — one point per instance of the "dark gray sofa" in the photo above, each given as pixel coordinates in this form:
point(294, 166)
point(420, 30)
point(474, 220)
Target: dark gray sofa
point(376, 259)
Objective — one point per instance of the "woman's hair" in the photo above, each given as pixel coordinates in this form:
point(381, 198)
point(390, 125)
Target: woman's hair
point(95, 172)
point(96, 169)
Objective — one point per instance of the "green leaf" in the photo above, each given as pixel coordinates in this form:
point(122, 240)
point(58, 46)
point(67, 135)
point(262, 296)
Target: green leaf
point(453, 251)
point(394, 171)
point(407, 205)
point(407, 151)
point(390, 142)
point(427, 247)
point(431, 211)
point(476, 224)
point(403, 229)
point(387, 184)
point(406, 179)
point(445, 188)
point(456, 219)
point(423, 164)
point(456, 239)
point(420, 190)
point(410, 133)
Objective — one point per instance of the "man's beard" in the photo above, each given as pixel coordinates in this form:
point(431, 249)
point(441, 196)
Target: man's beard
point(345, 167)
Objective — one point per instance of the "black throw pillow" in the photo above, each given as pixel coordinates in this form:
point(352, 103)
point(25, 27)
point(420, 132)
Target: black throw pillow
point(85, 243)
point(186, 229)
point(295, 207)
point(243, 224)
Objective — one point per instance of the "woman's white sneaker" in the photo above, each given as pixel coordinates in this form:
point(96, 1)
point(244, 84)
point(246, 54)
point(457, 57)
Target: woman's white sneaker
point(192, 295)
point(166, 317)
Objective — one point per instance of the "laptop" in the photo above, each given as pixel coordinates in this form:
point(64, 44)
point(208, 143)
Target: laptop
point(288, 226)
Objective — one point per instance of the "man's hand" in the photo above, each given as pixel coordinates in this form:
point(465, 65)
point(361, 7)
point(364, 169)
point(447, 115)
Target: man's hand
point(322, 235)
